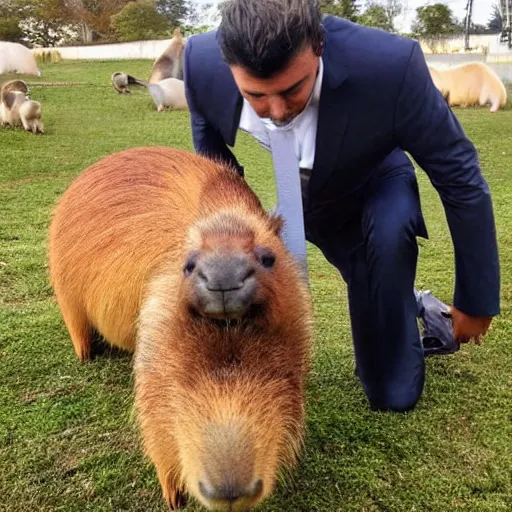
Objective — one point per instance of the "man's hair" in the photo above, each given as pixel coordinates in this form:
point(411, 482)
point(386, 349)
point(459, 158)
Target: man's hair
point(264, 35)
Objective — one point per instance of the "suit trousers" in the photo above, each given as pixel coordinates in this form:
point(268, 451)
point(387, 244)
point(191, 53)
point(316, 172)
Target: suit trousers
point(376, 253)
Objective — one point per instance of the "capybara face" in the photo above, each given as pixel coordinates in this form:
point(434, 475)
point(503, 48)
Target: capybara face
point(224, 283)
point(225, 397)
point(226, 273)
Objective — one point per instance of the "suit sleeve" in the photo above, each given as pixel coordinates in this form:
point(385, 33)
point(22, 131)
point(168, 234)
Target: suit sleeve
point(426, 127)
point(206, 139)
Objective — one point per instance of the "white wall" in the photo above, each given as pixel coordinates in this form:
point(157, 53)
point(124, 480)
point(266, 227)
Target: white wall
point(135, 50)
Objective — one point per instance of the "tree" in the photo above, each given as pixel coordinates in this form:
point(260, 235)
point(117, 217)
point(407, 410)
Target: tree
point(139, 20)
point(44, 22)
point(95, 16)
point(10, 19)
point(393, 9)
point(375, 16)
point(434, 20)
point(344, 8)
point(495, 23)
point(174, 11)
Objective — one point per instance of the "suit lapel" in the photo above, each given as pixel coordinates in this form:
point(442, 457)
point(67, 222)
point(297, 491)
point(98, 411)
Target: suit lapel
point(333, 116)
point(228, 103)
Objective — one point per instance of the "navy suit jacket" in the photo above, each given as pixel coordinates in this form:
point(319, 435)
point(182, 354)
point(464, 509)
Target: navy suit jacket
point(377, 101)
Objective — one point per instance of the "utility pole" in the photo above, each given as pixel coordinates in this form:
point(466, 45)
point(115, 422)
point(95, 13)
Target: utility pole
point(469, 10)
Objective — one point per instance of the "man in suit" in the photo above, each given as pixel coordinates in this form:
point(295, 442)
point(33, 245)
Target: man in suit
point(356, 99)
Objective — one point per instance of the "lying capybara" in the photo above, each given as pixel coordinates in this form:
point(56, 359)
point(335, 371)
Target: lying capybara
point(172, 256)
point(472, 83)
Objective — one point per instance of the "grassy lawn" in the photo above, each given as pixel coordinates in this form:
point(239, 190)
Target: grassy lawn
point(67, 436)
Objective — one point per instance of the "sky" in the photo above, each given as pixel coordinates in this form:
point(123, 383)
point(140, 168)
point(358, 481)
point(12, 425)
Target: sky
point(481, 10)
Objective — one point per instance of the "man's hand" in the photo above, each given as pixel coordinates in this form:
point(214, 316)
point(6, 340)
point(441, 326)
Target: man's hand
point(467, 328)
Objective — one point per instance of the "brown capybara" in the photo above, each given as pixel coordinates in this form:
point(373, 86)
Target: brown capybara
point(472, 83)
point(171, 255)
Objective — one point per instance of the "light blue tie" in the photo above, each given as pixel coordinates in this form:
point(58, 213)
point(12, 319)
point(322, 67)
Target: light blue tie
point(289, 196)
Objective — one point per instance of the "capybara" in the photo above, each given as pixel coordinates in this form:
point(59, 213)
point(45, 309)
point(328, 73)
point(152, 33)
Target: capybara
point(473, 83)
point(171, 255)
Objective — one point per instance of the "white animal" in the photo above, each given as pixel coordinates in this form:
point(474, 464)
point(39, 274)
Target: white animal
point(16, 58)
point(169, 93)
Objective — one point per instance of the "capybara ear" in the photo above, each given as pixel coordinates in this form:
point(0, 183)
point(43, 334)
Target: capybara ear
point(276, 224)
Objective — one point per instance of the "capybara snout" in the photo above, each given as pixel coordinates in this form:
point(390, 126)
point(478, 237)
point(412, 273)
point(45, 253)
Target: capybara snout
point(224, 282)
point(223, 285)
point(171, 256)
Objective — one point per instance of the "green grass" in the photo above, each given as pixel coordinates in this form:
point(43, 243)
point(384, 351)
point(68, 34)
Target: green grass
point(67, 436)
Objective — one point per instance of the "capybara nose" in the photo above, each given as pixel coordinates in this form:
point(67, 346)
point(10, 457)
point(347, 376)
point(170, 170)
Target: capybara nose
point(225, 272)
point(225, 285)
point(230, 491)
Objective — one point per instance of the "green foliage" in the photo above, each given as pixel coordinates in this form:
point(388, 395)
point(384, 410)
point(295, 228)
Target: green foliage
point(344, 8)
point(375, 16)
point(67, 438)
point(10, 29)
point(138, 21)
point(434, 20)
point(174, 11)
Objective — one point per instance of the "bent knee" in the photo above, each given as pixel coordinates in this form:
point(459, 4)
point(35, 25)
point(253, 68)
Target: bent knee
point(396, 403)
point(395, 398)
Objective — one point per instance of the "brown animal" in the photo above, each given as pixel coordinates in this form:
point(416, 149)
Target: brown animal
point(473, 83)
point(169, 64)
point(171, 255)
point(16, 108)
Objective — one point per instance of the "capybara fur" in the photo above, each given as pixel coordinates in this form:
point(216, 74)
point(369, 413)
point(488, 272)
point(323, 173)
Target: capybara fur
point(474, 83)
point(171, 255)
point(169, 64)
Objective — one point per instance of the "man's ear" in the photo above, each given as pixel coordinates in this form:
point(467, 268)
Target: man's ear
point(318, 49)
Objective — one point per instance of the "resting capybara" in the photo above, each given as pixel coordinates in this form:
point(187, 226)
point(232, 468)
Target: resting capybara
point(473, 83)
point(171, 255)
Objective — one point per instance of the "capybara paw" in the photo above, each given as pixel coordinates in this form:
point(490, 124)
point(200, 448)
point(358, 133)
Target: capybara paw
point(177, 500)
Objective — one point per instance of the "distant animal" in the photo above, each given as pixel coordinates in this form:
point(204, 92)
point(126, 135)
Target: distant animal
point(16, 58)
point(436, 78)
point(15, 85)
point(171, 255)
point(168, 93)
point(30, 114)
point(473, 83)
point(16, 108)
point(170, 63)
point(121, 81)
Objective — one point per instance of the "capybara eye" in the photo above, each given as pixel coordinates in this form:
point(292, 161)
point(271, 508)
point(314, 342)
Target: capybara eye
point(265, 257)
point(190, 265)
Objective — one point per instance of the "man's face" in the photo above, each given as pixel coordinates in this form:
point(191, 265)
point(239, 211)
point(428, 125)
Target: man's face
point(283, 96)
